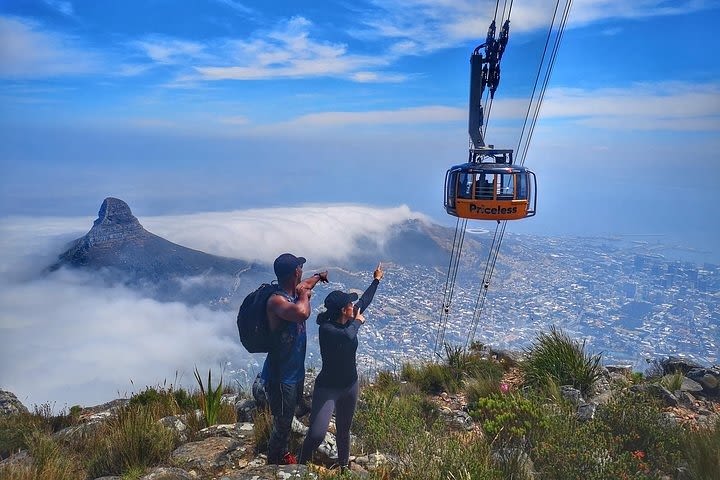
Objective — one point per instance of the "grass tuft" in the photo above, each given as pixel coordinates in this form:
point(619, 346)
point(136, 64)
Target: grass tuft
point(558, 357)
point(210, 398)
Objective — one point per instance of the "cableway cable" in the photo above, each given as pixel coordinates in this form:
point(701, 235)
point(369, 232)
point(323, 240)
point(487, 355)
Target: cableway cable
point(528, 129)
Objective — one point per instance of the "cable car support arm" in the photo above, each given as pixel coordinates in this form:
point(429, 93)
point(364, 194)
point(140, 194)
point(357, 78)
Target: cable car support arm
point(484, 73)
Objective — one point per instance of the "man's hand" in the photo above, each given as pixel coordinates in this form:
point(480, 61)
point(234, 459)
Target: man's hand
point(378, 273)
point(303, 290)
point(360, 317)
point(323, 276)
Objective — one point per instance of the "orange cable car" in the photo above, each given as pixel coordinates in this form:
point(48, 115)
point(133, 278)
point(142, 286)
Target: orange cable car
point(489, 186)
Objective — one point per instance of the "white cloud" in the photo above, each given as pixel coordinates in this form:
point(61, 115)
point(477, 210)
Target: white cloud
point(26, 51)
point(588, 11)
point(406, 116)
point(63, 7)
point(238, 7)
point(168, 51)
point(235, 120)
point(289, 51)
point(377, 77)
point(422, 26)
point(322, 234)
point(667, 106)
point(65, 338)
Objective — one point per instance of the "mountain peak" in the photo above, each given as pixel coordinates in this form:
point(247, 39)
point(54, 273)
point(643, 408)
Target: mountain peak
point(114, 211)
point(115, 223)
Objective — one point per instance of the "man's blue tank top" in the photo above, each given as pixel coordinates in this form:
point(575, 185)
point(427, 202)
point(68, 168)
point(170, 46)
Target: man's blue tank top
point(286, 360)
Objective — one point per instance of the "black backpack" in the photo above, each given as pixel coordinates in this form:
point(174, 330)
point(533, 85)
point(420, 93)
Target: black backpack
point(252, 319)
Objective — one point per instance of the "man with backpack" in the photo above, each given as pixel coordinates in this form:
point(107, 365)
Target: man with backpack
point(284, 370)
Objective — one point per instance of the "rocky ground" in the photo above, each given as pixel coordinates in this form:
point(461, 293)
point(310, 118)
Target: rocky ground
point(228, 452)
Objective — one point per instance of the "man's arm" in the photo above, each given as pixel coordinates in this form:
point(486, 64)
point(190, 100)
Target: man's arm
point(310, 282)
point(279, 308)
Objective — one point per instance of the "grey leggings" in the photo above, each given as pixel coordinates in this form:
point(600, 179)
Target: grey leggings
point(325, 400)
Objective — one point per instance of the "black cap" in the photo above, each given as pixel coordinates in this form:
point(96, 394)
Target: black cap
point(286, 263)
point(338, 299)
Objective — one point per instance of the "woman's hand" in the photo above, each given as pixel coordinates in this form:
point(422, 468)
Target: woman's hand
point(378, 273)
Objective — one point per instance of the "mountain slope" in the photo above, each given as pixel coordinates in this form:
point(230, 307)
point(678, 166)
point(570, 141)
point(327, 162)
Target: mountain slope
point(120, 249)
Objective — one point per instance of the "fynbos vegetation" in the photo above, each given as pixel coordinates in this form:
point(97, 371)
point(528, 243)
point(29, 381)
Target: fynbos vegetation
point(556, 415)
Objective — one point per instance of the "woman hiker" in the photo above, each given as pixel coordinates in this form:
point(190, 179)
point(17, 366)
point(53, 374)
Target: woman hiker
point(336, 386)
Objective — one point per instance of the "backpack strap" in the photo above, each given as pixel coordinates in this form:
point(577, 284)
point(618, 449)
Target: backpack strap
point(283, 293)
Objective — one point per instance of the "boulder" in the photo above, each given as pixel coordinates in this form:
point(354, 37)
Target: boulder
point(18, 460)
point(573, 395)
point(271, 472)
point(177, 424)
point(245, 410)
point(657, 390)
point(167, 473)
point(509, 357)
point(375, 461)
point(10, 405)
point(673, 364)
point(690, 386)
point(586, 411)
point(209, 455)
point(709, 378)
point(624, 370)
point(242, 432)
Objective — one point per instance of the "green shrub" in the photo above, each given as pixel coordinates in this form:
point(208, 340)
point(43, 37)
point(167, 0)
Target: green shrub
point(702, 452)
point(448, 455)
point(385, 379)
point(560, 358)
point(165, 401)
point(390, 423)
point(477, 388)
point(459, 366)
point(635, 423)
point(131, 440)
point(672, 381)
point(628, 438)
point(50, 460)
point(431, 378)
point(569, 448)
point(508, 418)
point(14, 429)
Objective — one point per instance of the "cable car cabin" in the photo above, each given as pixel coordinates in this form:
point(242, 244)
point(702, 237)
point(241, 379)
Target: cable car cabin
point(490, 191)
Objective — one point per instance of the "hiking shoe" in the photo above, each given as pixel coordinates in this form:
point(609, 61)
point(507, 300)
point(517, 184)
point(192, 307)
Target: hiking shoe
point(288, 459)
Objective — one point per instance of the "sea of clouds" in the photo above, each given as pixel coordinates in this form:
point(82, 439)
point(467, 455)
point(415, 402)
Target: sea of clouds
point(68, 338)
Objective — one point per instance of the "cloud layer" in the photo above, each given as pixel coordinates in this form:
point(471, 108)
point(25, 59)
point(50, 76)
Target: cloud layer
point(322, 234)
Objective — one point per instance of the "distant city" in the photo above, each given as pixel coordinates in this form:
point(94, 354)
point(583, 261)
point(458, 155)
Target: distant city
point(630, 305)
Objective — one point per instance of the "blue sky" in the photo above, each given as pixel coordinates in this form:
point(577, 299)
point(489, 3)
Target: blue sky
point(193, 106)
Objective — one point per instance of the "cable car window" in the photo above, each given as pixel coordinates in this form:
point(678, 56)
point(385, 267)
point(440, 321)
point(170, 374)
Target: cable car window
point(465, 185)
point(506, 185)
point(484, 185)
point(451, 189)
point(522, 186)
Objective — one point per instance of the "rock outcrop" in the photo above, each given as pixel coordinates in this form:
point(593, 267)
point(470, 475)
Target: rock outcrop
point(10, 405)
